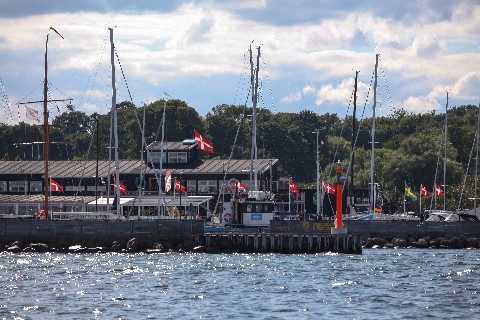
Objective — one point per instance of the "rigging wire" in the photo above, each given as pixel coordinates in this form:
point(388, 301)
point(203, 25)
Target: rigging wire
point(242, 120)
point(468, 166)
point(93, 78)
point(6, 102)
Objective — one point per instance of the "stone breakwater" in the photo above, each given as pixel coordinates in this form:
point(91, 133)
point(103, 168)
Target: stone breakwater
point(133, 245)
point(460, 242)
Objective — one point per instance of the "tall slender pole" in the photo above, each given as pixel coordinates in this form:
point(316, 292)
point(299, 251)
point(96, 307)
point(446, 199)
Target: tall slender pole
point(254, 84)
point(318, 178)
point(445, 159)
point(161, 155)
point(476, 162)
point(96, 166)
point(372, 161)
point(354, 120)
point(46, 133)
point(115, 123)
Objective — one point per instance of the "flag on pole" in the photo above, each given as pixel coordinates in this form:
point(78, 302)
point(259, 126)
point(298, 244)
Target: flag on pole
point(328, 188)
point(438, 191)
point(168, 181)
point(55, 186)
point(32, 114)
point(294, 188)
point(424, 191)
point(203, 143)
point(239, 187)
point(409, 193)
point(179, 187)
point(123, 188)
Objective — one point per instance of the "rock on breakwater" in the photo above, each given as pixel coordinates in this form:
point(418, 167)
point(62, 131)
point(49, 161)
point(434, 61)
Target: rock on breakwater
point(460, 242)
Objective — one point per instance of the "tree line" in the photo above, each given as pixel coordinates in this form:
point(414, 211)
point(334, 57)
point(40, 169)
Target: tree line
point(409, 147)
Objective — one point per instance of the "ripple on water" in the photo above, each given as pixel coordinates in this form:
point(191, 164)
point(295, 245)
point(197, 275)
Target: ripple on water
point(403, 284)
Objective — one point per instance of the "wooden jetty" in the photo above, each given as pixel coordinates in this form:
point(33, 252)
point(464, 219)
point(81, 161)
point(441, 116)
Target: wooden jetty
point(263, 242)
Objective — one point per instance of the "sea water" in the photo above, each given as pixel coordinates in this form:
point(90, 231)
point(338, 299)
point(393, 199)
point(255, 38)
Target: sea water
point(379, 284)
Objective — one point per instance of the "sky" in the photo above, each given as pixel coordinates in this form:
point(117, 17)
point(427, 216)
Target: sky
point(197, 51)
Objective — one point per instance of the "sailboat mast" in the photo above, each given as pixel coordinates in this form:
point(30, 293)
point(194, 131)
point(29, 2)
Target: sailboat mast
point(476, 162)
point(46, 135)
point(372, 161)
point(46, 131)
point(254, 81)
point(354, 119)
point(161, 157)
point(115, 122)
point(445, 157)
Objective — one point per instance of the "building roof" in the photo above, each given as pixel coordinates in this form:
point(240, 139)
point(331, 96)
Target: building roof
point(217, 166)
point(71, 168)
point(38, 198)
point(184, 145)
point(87, 169)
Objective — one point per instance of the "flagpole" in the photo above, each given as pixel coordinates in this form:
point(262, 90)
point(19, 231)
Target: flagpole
point(421, 199)
point(289, 196)
point(404, 198)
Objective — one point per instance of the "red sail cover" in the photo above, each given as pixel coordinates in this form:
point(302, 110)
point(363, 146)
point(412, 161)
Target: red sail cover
point(203, 143)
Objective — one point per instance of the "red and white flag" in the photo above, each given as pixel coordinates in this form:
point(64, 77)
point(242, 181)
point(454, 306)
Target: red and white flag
point(424, 191)
point(293, 188)
point(179, 187)
point(438, 191)
point(328, 188)
point(55, 186)
point(239, 187)
point(203, 143)
point(168, 181)
point(123, 188)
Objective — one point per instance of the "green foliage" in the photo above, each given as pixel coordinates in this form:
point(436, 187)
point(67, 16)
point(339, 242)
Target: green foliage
point(408, 148)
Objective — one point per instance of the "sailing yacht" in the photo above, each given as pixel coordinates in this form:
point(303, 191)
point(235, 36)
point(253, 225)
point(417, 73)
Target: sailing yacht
point(255, 208)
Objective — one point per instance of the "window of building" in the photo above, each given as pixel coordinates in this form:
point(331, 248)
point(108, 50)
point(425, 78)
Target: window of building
point(98, 188)
point(27, 209)
point(18, 186)
point(192, 186)
point(3, 186)
point(73, 208)
point(36, 186)
point(177, 157)
point(7, 209)
point(74, 188)
point(154, 156)
point(207, 186)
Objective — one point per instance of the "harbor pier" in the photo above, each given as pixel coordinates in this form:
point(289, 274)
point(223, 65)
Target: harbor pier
point(262, 242)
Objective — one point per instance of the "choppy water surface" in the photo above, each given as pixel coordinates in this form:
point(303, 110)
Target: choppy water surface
point(380, 284)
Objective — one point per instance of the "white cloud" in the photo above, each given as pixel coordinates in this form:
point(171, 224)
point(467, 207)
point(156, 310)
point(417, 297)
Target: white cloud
point(421, 104)
point(468, 86)
point(341, 94)
point(308, 89)
point(421, 57)
point(427, 46)
point(294, 97)
point(465, 88)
